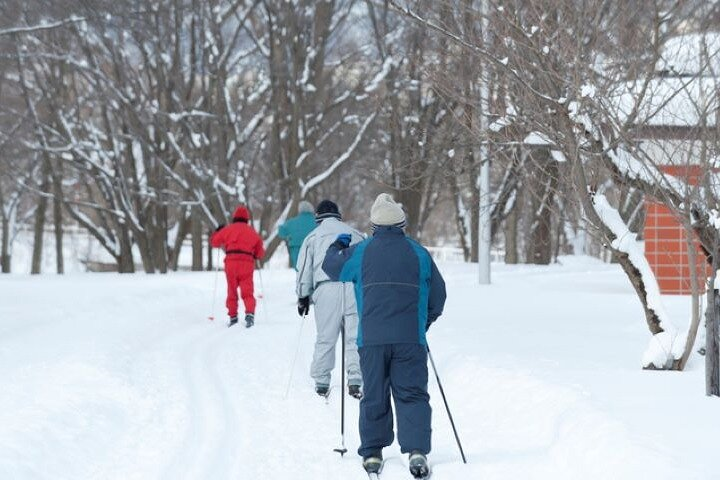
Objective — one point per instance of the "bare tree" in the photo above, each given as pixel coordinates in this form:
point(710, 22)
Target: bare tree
point(322, 88)
point(565, 87)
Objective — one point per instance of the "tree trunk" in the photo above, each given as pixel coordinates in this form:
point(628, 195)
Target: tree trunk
point(695, 299)
point(5, 251)
point(580, 183)
point(197, 241)
point(540, 248)
point(474, 223)
point(39, 229)
point(559, 239)
point(460, 216)
point(57, 218)
point(184, 226)
point(126, 263)
point(411, 199)
point(145, 247)
point(209, 255)
point(540, 251)
point(160, 243)
point(511, 233)
point(712, 349)
point(712, 345)
point(270, 249)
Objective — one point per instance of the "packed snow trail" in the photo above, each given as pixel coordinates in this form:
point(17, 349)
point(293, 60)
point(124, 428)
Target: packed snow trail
point(123, 377)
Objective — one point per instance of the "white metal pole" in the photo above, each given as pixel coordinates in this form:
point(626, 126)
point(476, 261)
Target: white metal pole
point(484, 180)
point(484, 223)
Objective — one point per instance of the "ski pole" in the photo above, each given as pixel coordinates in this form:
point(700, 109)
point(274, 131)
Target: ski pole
point(262, 289)
point(217, 271)
point(342, 450)
point(442, 392)
point(297, 350)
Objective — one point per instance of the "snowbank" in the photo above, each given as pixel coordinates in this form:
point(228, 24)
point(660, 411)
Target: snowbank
point(123, 377)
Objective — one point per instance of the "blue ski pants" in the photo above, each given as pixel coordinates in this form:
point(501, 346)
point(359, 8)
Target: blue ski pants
point(400, 368)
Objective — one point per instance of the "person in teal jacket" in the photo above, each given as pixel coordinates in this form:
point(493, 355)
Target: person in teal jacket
point(296, 229)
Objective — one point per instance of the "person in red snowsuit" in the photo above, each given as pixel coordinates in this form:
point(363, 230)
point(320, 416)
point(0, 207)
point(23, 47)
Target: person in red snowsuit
point(242, 246)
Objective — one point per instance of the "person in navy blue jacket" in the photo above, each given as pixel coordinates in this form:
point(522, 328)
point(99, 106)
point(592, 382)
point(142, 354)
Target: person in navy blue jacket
point(399, 293)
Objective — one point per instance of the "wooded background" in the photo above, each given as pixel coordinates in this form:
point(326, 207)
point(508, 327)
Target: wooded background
point(145, 123)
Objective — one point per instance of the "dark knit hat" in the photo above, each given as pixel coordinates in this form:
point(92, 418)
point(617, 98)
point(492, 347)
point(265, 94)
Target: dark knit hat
point(326, 209)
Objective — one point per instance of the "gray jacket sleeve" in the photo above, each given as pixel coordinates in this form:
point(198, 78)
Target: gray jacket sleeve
point(305, 267)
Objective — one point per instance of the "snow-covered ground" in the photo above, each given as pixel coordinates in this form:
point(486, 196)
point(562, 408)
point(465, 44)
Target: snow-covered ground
point(124, 377)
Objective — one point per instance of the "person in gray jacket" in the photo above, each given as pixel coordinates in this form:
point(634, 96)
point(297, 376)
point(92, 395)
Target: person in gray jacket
point(334, 301)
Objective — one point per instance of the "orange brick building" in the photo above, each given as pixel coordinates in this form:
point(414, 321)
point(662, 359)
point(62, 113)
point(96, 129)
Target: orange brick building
point(666, 245)
point(678, 116)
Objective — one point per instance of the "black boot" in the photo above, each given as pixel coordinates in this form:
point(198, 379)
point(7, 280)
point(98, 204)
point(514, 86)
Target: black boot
point(373, 463)
point(418, 465)
point(249, 320)
point(232, 321)
point(322, 390)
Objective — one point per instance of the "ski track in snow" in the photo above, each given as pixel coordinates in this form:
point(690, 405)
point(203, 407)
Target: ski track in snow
point(206, 450)
point(123, 377)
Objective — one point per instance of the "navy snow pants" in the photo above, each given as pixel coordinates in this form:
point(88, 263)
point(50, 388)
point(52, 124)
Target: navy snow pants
point(402, 368)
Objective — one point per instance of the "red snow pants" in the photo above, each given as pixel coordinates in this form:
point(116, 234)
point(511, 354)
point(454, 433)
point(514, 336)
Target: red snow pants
point(239, 273)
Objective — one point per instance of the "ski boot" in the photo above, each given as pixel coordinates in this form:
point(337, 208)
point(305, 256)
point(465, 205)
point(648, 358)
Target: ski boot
point(232, 321)
point(249, 320)
point(354, 391)
point(373, 463)
point(418, 465)
point(322, 390)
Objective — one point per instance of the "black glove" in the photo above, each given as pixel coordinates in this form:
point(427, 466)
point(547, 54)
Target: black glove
point(220, 227)
point(303, 306)
point(342, 241)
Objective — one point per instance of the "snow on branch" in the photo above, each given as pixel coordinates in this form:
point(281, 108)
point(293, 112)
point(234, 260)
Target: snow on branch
point(664, 346)
point(624, 162)
point(634, 169)
point(219, 184)
point(315, 181)
point(41, 26)
point(380, 76)
point(252, 125)
point(106, 241)
point(280, 220)
point(177, 116)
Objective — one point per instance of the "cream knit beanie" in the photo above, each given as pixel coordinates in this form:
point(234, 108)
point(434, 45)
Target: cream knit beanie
point(305, 207)
point(386, 212)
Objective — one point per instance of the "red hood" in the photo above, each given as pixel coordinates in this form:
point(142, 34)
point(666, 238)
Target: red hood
point(241, 213)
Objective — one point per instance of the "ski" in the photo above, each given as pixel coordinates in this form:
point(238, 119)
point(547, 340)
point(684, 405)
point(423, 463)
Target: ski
point(423, 477)
point(375, 475)
point(423, 474)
